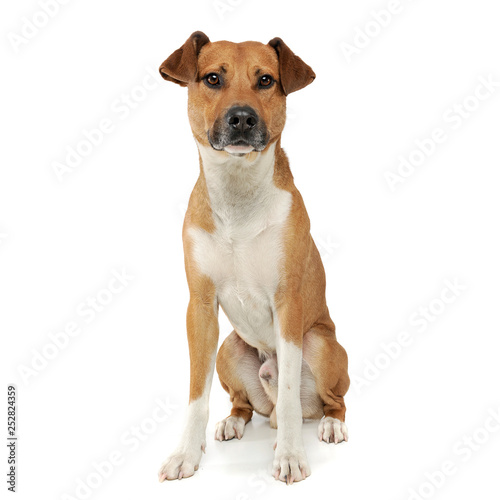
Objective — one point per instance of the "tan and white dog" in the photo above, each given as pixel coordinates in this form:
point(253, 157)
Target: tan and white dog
point(248, 249)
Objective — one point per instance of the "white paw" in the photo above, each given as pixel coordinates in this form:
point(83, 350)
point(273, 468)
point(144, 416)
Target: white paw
point(290, 464)
point(180, 464)
point(229, 428)
point(332, 430)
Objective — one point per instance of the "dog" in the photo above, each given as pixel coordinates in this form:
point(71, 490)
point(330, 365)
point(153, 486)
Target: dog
point(248, 249)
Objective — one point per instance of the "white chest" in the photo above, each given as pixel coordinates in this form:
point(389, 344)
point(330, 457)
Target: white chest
point(243, 255)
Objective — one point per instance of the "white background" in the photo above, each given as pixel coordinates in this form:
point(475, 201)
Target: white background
point(386, 253)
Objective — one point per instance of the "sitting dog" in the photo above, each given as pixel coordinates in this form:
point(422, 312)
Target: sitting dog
point(248, 249)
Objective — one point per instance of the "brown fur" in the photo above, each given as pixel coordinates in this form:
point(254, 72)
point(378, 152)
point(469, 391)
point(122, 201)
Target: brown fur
point(300, 298)
point(231, 354)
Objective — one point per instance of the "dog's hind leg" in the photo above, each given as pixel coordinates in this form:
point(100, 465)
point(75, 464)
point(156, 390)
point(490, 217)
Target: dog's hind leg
point(238, 367)
point(327, 360)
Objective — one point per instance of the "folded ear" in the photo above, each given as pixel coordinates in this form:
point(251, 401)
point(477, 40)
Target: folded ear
point(295, 74)
point(182, 66)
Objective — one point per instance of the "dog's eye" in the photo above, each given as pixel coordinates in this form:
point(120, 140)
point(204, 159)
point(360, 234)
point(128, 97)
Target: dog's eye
point(212, 79)
point(265, 81)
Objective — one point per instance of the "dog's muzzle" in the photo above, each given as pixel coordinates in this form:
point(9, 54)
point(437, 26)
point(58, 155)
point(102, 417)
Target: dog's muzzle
point(239, 131)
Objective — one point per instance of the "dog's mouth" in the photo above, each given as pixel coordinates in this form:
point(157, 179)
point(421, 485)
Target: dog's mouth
point(221, 140)
point(239, 148)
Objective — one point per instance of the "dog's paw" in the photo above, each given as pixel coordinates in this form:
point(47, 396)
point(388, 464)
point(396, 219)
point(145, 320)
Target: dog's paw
point(290, 465)
point(180, 465)
point(332, 430)
point(229, 428)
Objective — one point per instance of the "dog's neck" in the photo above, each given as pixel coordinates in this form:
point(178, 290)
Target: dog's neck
point(237, 183)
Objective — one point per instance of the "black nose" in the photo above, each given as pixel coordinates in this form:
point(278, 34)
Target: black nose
point(241, 118)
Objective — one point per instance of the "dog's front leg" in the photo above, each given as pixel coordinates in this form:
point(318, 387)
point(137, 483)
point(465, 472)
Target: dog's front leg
point(203, 334)
point(290, 461)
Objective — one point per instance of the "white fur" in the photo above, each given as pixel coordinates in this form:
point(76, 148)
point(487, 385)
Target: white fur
point(243, 255)
point(332, 430)
point(229, 428)
point(290, 461)
point(186, 458)
point(238, 149)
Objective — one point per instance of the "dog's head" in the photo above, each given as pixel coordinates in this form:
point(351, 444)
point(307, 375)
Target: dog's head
point(236, 91)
